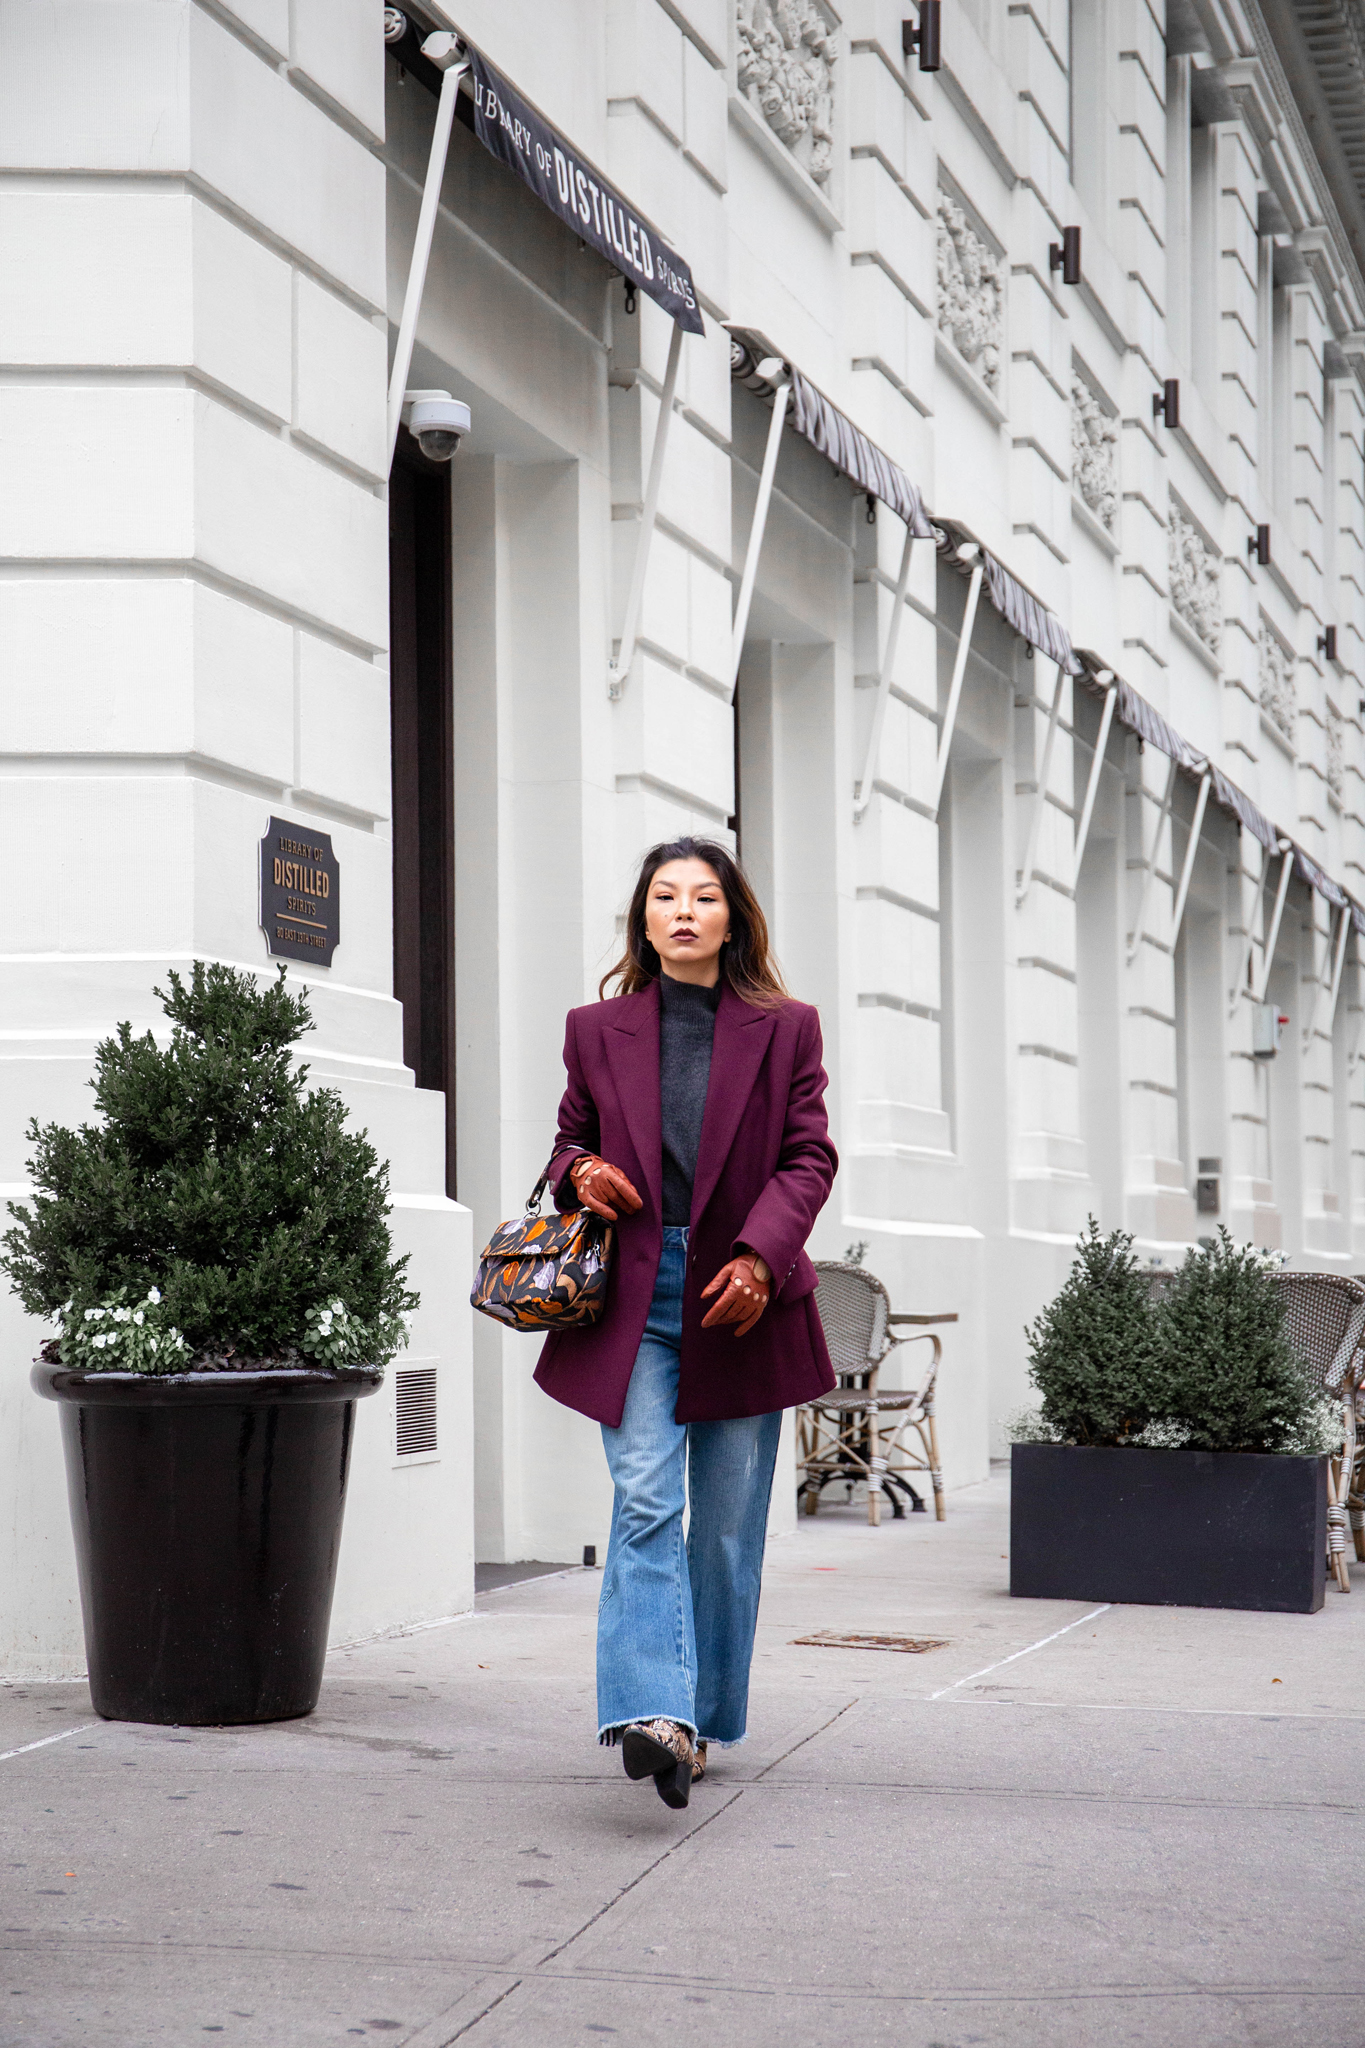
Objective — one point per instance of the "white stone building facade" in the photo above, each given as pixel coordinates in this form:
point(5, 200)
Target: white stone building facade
point(208, 215)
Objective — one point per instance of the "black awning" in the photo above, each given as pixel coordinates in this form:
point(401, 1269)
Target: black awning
point(511, 130)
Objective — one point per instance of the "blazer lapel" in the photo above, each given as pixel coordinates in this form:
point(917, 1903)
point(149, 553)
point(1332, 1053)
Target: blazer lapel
point(631, 1042)
point(742, 1035)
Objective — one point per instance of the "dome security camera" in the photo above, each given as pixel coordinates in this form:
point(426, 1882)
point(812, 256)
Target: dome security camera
point(437, 422)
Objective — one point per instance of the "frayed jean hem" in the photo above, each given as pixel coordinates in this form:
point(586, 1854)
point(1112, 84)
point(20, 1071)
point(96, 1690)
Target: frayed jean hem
point(609, 1736)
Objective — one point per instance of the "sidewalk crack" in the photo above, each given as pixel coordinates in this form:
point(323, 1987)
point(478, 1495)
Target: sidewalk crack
point(672, 1850)
point(469, 2025)
point(804, 1740)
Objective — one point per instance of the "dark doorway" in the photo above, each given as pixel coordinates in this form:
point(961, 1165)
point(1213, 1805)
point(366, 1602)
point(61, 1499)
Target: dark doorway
point(420, 698)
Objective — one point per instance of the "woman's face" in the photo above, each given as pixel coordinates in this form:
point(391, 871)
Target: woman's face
point(687, 920)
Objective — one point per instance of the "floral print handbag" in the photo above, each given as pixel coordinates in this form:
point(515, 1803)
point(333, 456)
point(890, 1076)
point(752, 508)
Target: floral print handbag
point(545, 1272)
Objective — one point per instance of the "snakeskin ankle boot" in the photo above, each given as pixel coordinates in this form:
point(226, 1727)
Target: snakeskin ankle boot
point(661, 1750)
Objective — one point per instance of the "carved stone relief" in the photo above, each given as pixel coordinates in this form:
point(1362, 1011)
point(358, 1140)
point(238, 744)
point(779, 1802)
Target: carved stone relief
point(1196, 580)
point(1094, 447)
point(786, 57)
point(971, 293)
point(1275, 671)
point(1336, 751)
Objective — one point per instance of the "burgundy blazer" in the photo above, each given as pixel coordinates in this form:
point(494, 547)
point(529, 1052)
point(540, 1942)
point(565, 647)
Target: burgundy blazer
point(764, 1171)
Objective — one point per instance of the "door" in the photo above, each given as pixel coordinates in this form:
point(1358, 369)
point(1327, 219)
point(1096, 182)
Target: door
point(420, 688)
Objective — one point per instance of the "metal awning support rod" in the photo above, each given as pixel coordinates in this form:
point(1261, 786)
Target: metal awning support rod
point(1187, 871)
point(862, 795)
point(1268, 962)
point(776, 374)
point(447, 52)
point(1250, 946)
point(1040, 794)
point(1092, 787)
point(1310, 1016)
point(619, 670)
point(970, 551)
point(1343, 933)
point(1336, 952)
point(1360, 1025)
point(1139, 924)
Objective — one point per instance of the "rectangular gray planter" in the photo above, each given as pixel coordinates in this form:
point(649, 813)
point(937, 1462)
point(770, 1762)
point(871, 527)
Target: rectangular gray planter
point(1168, 1528)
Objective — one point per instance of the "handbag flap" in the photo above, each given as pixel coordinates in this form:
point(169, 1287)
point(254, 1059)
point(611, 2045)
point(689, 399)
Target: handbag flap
point(539, 1237)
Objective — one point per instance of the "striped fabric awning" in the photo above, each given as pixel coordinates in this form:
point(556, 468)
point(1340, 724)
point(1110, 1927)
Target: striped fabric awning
point(1014, 601)
point(1307, 870)
point(1143, 719)
point(849, 449)
point(818, 420)
point(1040, 627)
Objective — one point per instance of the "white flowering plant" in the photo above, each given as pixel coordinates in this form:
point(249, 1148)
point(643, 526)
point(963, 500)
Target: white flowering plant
point(119, 1335)
point(334, 1336)
point(1030, 1426)
point(1318, 1432)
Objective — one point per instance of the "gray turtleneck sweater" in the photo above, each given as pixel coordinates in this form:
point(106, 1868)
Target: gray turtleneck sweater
point(687, 1023)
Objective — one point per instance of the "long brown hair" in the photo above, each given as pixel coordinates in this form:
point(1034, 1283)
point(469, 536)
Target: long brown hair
point(745, 961)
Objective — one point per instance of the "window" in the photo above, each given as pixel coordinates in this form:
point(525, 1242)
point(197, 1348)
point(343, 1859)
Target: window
point(1090, 117)
point(1204, 263)
point(1279, 485)
point(1178, 224)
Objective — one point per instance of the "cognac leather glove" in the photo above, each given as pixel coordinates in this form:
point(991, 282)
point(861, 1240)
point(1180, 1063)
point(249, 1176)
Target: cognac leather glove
point(598, 1185)
point(743, 1286)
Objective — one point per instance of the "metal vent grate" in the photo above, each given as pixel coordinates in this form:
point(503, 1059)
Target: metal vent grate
point(415, 1397)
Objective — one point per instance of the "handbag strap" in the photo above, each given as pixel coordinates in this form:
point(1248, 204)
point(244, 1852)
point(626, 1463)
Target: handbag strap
point(533, 1199)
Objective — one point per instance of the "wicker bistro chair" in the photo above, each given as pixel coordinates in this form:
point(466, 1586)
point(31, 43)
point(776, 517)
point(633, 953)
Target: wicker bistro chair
point(857, 1432)
point(1325, 1322)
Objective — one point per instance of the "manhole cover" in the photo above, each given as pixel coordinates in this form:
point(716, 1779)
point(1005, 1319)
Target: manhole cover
point(827, 1639)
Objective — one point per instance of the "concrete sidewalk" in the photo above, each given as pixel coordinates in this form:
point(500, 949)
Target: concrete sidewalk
point(1136, 1825)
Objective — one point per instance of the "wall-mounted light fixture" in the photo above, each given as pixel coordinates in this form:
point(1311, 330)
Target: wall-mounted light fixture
point(1327, 642)
point(923, 35)
point(1066, 256)
point(1258, 544)
point(1166, 403)
point(395, 24)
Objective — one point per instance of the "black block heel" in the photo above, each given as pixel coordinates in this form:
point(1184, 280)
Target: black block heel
point(643, 1757)
point(674, 1786)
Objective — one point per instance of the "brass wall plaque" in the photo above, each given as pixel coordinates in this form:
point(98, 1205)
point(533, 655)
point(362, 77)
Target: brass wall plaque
point(300, 893)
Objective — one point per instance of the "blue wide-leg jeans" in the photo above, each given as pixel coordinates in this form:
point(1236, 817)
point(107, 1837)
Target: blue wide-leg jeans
point(675, 1623)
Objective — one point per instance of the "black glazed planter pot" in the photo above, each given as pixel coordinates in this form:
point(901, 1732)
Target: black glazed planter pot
point(206, 1508)
point(1168, 1528)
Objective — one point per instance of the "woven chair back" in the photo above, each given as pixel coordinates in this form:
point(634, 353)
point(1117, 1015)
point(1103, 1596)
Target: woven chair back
point(854, 1307)
point(1324, 1320)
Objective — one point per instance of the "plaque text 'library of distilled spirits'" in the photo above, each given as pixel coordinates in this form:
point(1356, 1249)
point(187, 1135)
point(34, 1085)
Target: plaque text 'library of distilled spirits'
point(300, 893)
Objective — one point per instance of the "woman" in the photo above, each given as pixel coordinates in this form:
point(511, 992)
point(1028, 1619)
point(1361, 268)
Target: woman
point(694, 1120)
